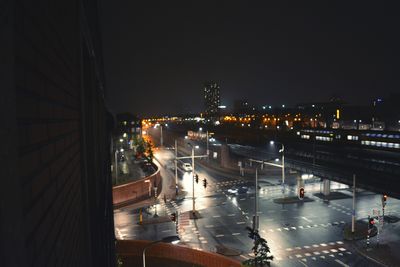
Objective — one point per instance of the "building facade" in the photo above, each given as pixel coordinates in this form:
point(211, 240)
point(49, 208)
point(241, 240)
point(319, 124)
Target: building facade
point(55, 196)
point(211, 100)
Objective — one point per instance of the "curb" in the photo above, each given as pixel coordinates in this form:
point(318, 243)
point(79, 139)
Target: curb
point(368, 257)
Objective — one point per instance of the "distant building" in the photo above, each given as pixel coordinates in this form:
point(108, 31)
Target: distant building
point(211, 100)
point(242, 107)
point(127, 126)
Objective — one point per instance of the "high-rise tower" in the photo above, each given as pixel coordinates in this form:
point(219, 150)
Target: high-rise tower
point(211, 100)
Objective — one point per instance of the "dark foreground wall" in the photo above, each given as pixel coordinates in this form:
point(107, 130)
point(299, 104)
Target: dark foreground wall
point(55, 192)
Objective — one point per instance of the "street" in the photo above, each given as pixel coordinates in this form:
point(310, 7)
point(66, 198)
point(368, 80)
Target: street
point(300, 234)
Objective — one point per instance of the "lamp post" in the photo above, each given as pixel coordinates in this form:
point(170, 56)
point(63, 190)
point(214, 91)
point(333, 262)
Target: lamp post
point(256, 221)
point(116, 165)
point(161, 138)
point(176, 167)
point(169, 239)
point(208, 151)
point(283, 162)
point(193, 200)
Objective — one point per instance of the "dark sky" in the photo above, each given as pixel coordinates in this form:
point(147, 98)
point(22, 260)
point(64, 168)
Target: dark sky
point(158, 56)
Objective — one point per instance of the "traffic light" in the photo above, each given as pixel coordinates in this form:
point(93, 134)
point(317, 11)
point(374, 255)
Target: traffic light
point(371, 223)
point(204, 182)
point(196, 178)
point(301, 193)
point(384, 198)
point(173, 217)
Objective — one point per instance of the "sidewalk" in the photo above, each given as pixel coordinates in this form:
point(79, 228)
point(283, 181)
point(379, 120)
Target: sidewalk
point(384, 253)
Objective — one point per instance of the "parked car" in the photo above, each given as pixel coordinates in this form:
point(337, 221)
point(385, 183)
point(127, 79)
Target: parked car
point(187, 167)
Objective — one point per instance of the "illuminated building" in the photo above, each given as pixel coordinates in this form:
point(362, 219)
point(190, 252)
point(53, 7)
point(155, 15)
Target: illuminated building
point(211, 100)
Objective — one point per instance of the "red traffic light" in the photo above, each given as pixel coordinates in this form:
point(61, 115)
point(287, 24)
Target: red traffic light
point(301, 192)
point(371, 222)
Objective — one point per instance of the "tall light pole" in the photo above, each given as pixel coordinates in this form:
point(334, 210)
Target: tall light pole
point(193, 200)
point(116, 165)
point(208, 151)
point(161, 138)
point(283, 160)
point(176, 167)
point(353, 213)
point(255, 227)
point(169, 239)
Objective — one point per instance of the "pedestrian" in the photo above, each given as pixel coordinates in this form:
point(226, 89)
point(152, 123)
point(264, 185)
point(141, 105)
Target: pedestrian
point(165, 198)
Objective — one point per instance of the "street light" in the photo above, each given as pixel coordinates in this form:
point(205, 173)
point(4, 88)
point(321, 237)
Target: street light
point(194, 207)
point(283, 159)
point(116, 166)
point(169, 239)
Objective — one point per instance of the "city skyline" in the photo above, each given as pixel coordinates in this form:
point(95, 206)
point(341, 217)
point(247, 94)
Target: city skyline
point(281, 54)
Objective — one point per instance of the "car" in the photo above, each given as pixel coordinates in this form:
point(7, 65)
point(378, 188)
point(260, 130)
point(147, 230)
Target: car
point(187, 167)
point(238, 190)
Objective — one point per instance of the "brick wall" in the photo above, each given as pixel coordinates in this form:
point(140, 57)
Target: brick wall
point(136, 191)
point(131, 251)
point(58, 194)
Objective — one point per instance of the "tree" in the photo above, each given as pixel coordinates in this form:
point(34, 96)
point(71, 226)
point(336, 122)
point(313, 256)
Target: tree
point(140, 147)
point(149, 151)
point(260, 250)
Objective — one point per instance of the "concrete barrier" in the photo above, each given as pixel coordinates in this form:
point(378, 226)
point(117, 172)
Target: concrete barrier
point(161, 254)
point(138, 190)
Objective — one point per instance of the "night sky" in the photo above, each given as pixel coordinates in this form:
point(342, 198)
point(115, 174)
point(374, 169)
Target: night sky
point(158, 57)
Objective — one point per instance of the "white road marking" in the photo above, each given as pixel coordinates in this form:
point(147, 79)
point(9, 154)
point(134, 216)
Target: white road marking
point(308, 220)
point(231, 214)
point(216, 216)
point(235, 233)
point(209, 226)
point(240, 222)
point(341, 263)
point(219, 235)
point(168, 230)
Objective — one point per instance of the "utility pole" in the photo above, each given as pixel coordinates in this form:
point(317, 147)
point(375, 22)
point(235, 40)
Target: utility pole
point(116, 165)
point(283, 165)
point(313, 150)
point(255, 222)
point(161, 138)
point(194, 208)
point(208, 151)
point(176, 167)
point(353, 214)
